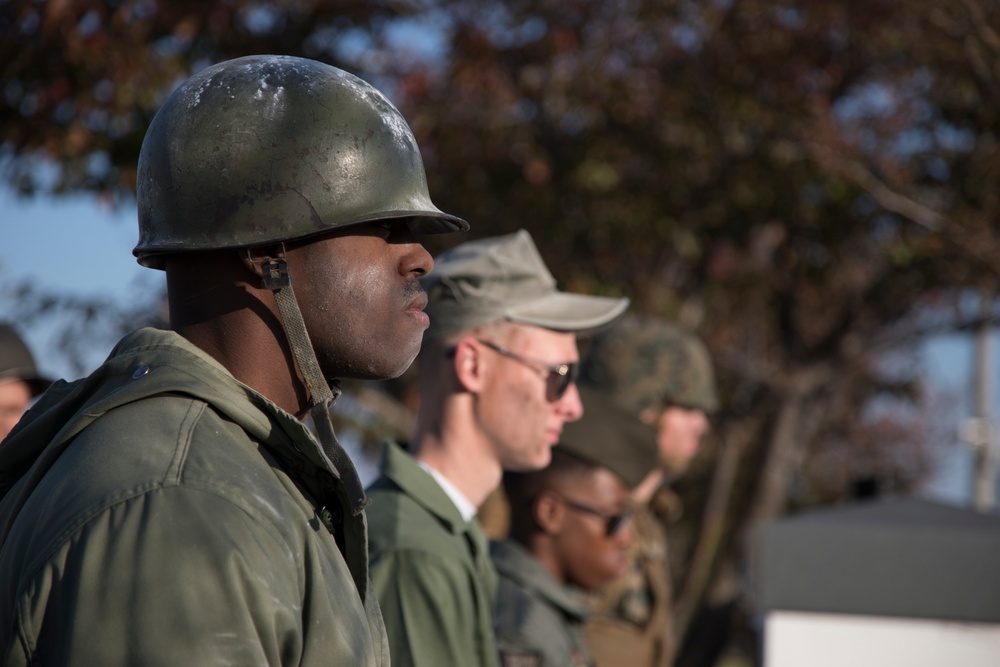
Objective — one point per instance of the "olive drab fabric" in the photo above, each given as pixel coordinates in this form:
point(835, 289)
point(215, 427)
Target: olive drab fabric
point(262, 149)
point(430, 570)
point(645, 362)
point(538, 621)
point(610, 437)
point(503, 278)
point(216, 511)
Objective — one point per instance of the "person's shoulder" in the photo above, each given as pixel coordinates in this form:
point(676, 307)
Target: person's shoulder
point(397, 522)
point(526, 628)
point(169, 450)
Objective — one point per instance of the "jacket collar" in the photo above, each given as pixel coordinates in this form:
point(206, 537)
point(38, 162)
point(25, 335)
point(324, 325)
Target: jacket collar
point(402, 469)
point(515, 563)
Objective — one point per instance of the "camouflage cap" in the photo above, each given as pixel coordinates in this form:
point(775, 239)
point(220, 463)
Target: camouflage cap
point(503, 278)
point(647, 362)
point(610, 437)
point(16, 362)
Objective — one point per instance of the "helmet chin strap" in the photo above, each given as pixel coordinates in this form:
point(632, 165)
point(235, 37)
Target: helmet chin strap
point(278, 279)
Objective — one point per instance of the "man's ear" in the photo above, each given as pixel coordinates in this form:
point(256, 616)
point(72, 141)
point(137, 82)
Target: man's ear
point(550, 514)
point(469, 364)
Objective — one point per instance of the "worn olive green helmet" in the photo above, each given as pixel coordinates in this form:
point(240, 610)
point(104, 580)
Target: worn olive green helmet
point(644, 362)
point(272, 148)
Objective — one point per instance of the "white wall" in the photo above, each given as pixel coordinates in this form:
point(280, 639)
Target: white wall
point(799, 639)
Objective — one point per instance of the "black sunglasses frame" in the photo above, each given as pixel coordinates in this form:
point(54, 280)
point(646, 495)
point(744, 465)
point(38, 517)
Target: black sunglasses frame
point(560, 377)
point(613, 523)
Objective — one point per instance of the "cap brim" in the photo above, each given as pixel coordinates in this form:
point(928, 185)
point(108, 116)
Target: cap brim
point(609, 436)
point(562, 311)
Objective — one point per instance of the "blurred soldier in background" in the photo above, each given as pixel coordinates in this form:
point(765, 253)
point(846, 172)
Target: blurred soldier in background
point(496, 378)
point(172, 508)
point(569, 534)
point(663, 375)
point(19, 379)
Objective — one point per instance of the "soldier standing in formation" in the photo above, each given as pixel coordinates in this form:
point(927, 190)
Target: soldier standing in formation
point(569, 535)
point(663, 375)
point(172, 508)
point(496, 378)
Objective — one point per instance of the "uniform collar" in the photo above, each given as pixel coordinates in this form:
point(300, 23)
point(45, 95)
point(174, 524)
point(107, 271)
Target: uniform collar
point(465, 506)
point(516, 563)
point(404, 470)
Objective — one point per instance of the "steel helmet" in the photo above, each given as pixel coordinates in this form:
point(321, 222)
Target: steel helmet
point(16, 362)
point(644, 362)
point(263, 149)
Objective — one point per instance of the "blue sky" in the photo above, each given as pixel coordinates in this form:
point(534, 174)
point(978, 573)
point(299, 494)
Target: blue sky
point(75, 245)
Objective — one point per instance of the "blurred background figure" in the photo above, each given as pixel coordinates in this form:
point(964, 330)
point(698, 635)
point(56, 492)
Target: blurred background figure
point(569, 534)
point(20, 382)
point(497, 373)
point(663, 375)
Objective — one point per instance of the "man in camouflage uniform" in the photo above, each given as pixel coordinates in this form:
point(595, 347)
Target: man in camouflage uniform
point(663, 375)
point(172, 508)
point(569, 535)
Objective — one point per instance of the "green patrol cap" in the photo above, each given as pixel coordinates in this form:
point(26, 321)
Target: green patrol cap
point(610, 437)
point(503, 278)
point(648, 362)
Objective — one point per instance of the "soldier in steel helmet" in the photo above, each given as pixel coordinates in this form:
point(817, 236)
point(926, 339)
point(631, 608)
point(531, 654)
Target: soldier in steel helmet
point(20, 381)
point(496, 378)
point(570, 534)
point(663, 375)
point(172, 508)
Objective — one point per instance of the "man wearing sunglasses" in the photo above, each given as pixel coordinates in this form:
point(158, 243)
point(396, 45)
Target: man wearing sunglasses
point(496, 377)
point(663, 375)
point(570, 533)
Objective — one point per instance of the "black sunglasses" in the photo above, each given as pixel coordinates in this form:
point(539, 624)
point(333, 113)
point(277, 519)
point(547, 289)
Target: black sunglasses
point(613, 523)
point(560, 376)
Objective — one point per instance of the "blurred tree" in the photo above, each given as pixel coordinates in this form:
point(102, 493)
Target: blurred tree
point(83, 78)
point(810, 185)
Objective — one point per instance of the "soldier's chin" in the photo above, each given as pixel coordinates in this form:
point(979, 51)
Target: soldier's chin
point(675, 466)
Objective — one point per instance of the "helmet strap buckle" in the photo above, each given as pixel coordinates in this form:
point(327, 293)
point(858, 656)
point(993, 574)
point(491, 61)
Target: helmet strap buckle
point(274, 270)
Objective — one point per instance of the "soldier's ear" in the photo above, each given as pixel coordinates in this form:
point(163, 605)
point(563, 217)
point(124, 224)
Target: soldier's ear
point(549, 513)
point(468, 364)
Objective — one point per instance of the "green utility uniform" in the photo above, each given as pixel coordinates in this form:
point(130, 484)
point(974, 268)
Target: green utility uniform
point(160, 512)
point(539, 622)
point(430, 570)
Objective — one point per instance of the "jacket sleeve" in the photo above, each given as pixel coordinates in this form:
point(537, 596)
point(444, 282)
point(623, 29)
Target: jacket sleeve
point(429, 611)
point(172, 576)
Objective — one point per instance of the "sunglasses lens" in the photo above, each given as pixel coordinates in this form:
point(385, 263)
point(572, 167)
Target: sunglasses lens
point(560, 383)
point(616, 523)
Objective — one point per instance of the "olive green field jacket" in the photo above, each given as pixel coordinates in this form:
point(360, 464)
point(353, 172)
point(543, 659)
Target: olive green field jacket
point(538, 621)
point(430, 569)
point(159, 512)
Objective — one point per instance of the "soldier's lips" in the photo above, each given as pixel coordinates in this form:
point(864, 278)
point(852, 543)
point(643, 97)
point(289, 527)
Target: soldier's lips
point(415, 310)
